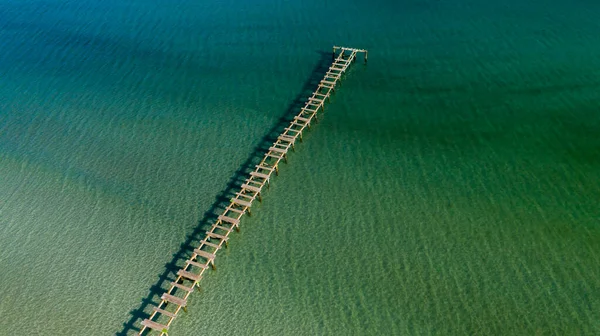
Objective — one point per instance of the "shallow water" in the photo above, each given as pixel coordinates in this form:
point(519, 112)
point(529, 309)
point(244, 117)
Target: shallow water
point(451, 187)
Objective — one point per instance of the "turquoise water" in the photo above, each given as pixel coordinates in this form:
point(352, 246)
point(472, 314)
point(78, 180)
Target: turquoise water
point(451, 189)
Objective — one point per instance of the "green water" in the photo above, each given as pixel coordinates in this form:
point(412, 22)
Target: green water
point(451, 187)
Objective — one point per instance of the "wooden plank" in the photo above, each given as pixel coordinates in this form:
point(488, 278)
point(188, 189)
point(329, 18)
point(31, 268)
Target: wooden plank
point(261, 175)
point(250, 198)
point(257, 184)
point(274, 156)
point(216, 235)
point(180, 286)
point(210, 244)
point(197, 264)
point(240, 202)
point(251, 188)
point(301, 119)
point(265, 168)
point(287, 138)
point(292, 130)
point(282, 146)
point(154, 325)
point(205, 254)
point(164, 312)
point(173, 299)
point(189, 275)
point(297, 124)
point(223, 228)
point(234, 210)
point(279, 150)
point(229, 219)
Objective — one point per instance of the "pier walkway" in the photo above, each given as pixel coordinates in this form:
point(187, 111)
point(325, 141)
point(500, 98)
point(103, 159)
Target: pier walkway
point(175, 299)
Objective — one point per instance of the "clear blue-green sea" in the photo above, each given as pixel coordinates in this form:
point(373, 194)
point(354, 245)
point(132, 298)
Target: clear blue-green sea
point(452, 186)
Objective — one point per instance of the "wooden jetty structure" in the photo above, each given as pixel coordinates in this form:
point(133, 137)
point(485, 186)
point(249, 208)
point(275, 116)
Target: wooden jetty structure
point(175, 299)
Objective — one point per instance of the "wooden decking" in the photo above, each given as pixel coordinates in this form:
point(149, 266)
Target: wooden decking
point(203, 257)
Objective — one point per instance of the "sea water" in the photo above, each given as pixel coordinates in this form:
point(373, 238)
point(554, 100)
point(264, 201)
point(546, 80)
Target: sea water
point(450, 188)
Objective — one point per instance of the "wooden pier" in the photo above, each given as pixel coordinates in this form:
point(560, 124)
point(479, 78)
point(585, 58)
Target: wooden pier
point(175, 299)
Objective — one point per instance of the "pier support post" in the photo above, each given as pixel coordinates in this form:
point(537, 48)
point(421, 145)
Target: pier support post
point(249, 213)
point(237, 228)
point(366, 56)
point(212, 264)
point(184, 308)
